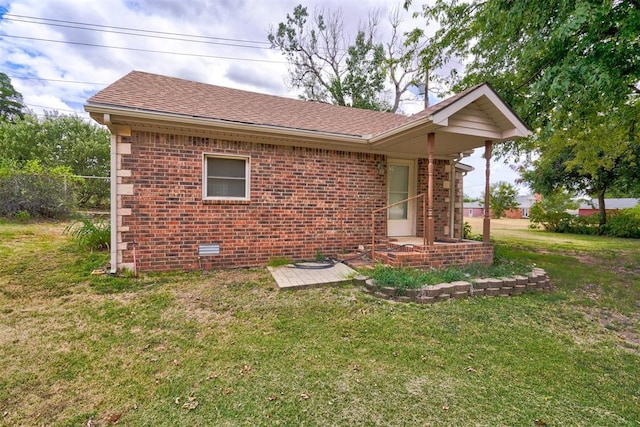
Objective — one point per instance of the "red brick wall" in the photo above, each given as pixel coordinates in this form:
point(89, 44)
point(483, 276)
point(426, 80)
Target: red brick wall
point(441, 255)
point(297, 196)
point(513, 213)
point(441, 212)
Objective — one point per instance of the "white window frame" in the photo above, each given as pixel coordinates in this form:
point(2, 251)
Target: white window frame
point(247, 176)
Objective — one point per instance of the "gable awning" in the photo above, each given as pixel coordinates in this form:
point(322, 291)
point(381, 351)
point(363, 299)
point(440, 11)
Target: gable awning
point(461, 123)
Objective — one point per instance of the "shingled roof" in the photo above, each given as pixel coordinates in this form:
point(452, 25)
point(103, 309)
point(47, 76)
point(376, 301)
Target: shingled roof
point(156, 93)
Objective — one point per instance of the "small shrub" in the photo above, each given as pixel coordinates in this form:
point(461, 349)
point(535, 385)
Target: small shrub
point(466, 230)
point(23, 216)
point(90, 234)
point(278, 262)
point(551, 211)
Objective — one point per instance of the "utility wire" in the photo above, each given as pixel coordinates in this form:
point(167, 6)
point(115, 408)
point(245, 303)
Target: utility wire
point(136, 29)
point(44, 107)
point(57, 80)
point(138, 35)
point(198, 55)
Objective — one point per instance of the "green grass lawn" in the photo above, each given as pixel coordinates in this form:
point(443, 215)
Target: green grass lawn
point(227, 348)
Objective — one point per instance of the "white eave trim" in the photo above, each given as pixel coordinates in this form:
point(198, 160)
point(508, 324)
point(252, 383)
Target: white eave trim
point(224, 124)
point(410, 126)
point(441, 117)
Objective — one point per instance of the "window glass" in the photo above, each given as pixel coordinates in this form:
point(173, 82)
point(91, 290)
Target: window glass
point(226, 177)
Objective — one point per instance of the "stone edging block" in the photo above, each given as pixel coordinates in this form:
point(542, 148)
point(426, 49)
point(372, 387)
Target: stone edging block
point(537, 280)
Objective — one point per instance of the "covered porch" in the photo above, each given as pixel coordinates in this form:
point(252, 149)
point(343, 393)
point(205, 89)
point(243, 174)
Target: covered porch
point(419, 230)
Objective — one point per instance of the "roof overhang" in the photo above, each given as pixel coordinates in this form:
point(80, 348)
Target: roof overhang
point(464, 124)
point(115, 116)
point(472, 119)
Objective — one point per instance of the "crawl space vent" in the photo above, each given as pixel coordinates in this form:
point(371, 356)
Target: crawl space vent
point(210, 249)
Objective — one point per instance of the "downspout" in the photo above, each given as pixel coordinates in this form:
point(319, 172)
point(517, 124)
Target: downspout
point(114, 198)
point(452, 196)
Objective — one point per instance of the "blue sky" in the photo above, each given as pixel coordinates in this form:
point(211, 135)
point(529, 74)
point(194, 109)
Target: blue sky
point(57, 63)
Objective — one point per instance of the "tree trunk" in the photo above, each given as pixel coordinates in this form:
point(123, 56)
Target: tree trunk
point(602, 209)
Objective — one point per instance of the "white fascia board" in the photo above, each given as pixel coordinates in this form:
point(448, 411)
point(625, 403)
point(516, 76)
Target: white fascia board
point(519, 129)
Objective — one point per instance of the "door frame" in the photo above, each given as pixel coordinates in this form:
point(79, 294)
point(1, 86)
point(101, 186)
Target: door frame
point(413, 184)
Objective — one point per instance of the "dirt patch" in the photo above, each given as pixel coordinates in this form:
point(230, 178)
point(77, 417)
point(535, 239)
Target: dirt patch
point(625, 327)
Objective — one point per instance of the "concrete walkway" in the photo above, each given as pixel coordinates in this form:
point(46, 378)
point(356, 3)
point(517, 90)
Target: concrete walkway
point(311, 275)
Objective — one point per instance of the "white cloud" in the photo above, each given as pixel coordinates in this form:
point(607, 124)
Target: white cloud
point(239, 20)
point(474, 182)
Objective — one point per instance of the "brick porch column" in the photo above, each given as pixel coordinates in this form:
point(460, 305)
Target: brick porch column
point(431, 143)
point(486, 225)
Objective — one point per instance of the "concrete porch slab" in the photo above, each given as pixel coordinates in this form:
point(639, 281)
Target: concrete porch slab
point(311, 275)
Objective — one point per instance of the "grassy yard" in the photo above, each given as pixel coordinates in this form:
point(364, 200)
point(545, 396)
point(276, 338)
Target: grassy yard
point(227, 348)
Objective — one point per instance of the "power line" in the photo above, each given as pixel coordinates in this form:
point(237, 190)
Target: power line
point(57, 80)
point(198, 55)
point(138, 30)
point(138, 35)
point(53, 109)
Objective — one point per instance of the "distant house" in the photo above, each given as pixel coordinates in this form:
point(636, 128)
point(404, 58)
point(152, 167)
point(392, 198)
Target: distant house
point(590, 207)
point(524, 206)
point(476, 209)
point(473, 209)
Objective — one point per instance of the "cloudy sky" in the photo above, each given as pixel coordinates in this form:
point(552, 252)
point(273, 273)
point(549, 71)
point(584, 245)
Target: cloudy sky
point(60, 52)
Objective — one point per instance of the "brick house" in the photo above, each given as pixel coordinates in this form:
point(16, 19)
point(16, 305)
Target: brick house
point(205, 176)
point(473, 210)
point(592, 207)
point(524, 206)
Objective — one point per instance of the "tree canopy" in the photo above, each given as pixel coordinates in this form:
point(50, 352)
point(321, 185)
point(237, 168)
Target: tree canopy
point(329, 67)
point(11, 104)
point(503, 197)
point(571, 70)
point(59, 141)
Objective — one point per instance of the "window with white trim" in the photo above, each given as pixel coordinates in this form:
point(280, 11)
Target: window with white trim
point(226, 177)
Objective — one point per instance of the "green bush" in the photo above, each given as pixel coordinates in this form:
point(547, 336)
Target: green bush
point(23, 216)
point(621, 223)
point(551, 212)
point(35, 190)
point(589, 225)
point(466, 230)
point(89, 233)
point(624, 223)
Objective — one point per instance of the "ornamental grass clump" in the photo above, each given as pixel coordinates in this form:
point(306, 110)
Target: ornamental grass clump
point(89, 233)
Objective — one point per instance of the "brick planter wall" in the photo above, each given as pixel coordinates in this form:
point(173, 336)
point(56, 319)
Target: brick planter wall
point(440, 255)
point(537, 280)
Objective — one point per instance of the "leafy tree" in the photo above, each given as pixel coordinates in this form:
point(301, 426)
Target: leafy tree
point(567, 163)
point(468, 199)
point(551, 210)
point(11, 104)
point(571, 70)
point(503, 196)
point(59, 140)
point(363, 81)
point(329, 68)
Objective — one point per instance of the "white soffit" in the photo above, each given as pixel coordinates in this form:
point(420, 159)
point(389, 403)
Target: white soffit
point(498, 113)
